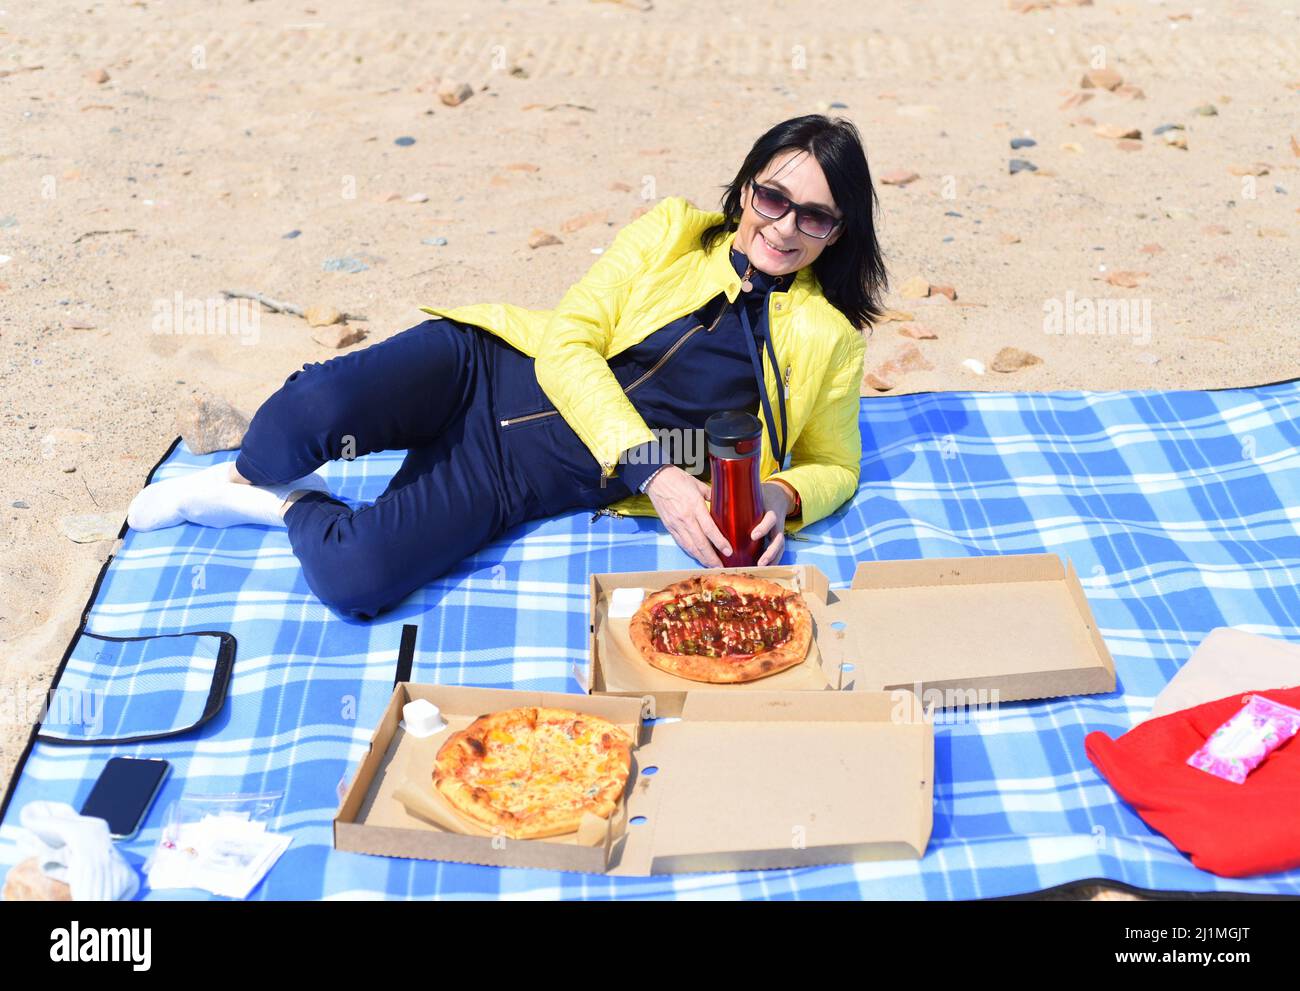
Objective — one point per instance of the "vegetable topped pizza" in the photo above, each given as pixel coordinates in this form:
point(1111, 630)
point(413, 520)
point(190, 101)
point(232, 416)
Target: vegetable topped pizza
point(725, 628)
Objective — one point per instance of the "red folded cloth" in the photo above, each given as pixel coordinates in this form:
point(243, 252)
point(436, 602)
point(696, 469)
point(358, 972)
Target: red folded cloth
point(1233, 830)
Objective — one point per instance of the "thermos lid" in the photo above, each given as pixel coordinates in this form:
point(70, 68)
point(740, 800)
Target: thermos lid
point(733, 434)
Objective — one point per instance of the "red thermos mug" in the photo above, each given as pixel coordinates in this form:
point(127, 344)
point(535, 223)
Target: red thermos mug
point(735, 499)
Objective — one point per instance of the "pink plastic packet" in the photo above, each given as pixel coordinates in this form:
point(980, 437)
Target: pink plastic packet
point(1240, 745)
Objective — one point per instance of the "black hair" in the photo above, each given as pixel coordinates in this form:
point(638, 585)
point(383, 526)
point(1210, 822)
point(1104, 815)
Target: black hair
point(851, 271)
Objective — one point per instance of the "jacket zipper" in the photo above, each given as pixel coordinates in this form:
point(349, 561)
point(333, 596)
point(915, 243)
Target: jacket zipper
point(642, 378)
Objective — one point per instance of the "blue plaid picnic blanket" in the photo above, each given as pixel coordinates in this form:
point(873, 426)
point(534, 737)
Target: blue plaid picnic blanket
point(1180, 511)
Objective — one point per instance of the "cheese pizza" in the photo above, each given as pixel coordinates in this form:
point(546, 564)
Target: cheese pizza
point(532, 772)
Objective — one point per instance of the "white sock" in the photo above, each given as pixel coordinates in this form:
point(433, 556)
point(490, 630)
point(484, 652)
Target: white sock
point(210, 498)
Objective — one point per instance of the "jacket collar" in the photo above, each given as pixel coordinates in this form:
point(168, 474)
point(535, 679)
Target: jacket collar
point(722, 276)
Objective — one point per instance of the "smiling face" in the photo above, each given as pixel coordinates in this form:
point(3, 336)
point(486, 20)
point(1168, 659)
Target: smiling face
point(778, 247)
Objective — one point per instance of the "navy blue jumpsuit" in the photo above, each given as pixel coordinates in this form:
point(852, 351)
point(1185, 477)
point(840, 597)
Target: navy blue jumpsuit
point(486, 449)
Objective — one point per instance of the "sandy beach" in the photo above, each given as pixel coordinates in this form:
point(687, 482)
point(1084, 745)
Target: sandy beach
point(155, 155)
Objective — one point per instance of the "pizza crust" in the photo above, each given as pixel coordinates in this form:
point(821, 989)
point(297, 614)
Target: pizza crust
point(732, 668)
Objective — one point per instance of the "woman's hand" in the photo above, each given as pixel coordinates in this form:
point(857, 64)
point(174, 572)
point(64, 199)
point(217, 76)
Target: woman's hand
point(777, 503)
point(678, 498)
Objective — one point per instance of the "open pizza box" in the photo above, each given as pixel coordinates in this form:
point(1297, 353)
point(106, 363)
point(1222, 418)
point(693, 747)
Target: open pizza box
point(762, 780)
point(956, 632)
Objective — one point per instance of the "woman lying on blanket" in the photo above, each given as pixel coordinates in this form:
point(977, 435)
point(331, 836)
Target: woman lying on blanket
point(510, 414)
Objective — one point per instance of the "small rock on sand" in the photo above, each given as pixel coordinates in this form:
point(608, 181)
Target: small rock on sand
point(1118, 131)
point(339, 335)
point(1101, 79)
point(1125, 279)
point(1017, 143)
point(974, 364)
point(1014, 359)
point(90, 527)
point(914, 288)
point(918, 333)
point(583, 220)
point(453, 93)
point(98, 76)
point(541, 239)
point(1259, 168)
point(208, 423)
point(899, 177)
point(948, 291)
point(320, 315)
point(1206, 110)
point(1021, 165)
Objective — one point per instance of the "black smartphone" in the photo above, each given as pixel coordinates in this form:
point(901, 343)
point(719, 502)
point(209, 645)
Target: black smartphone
point(125, 790)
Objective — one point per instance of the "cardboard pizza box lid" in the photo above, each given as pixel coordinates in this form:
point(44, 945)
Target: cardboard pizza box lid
point(971, 631)
point(761, 780)
point(765, 780)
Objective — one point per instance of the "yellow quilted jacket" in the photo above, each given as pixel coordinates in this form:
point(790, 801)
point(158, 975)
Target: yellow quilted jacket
point(655, 273)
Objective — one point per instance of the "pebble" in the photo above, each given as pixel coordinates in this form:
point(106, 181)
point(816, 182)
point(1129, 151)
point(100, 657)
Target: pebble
point(1176, 140)
point(8, 220)
point(405, 141)
point(1259, 168)
point(19, 504)
point(339, 335)
point(1022, 165)
point(208, 423)
point(1017, 143)
point(291, 235)
point(1130, 92)
point(454, 93)
point(583, 220)
point(1075, 100)
point(975, 365)
point(320, 315)
point(1128, 144)
point(1126, 279)
point(1014, 359)
point(899, 177)
point(620, 187)
point(1009, 238)
point(1151, 249)
point(951, 213)
point(91, 527)
point(1179, 213)
point(1101, 79)
point(1168, 127)
point(1206, 110)
point(899, 316)
point(914, 288)
point(437, 242)
point(1215, 229)
point(948, 291)
point(541, 239)
point(1117, 131)
point(918, 333)
point(878, 382)
point(344, 263)
point(1072, 146)
point(98, 76)
point(5, 259)
point(418, 198)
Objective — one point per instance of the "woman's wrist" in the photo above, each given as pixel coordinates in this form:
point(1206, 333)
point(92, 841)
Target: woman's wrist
point(793, 503)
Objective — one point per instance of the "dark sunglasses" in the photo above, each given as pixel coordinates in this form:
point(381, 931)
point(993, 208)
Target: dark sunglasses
point(810, 220)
